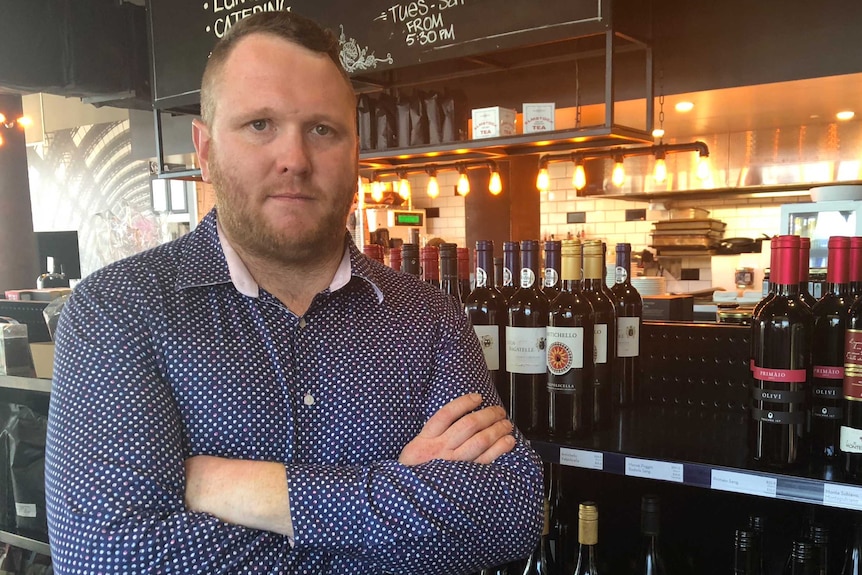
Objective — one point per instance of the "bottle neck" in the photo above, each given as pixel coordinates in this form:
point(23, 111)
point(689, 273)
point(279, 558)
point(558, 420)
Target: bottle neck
point(511, 267)
point(484, 269)
point(529, 272)
point(623, 271)
point(552, 268)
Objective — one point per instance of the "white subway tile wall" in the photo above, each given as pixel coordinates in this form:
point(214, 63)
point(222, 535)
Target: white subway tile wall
point(450, 225)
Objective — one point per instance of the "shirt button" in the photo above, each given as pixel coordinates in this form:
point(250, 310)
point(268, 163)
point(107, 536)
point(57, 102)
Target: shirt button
point(308, 399)
point(302, 322)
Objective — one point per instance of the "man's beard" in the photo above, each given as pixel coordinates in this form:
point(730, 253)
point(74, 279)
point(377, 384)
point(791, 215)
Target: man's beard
point(248, 231)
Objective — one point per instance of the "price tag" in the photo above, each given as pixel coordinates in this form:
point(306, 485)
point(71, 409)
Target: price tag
point(743, 483)
point(582, 458)
point(842, 496)
point(650, 469)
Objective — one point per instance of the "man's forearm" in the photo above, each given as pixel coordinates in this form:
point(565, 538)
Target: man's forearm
point(240, 491)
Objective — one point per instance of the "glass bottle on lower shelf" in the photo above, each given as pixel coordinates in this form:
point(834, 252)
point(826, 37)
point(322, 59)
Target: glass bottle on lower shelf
point(588, 539)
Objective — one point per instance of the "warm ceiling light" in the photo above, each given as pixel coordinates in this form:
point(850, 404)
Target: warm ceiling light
point(658, 133)
point(845, 115)
point(376, 191)
point(463, 187)
point(684, 107)
point(618, 176)
point(433, 187)
point(2, 119)
point(495, 184)
point(404, 188)
point(25, 121)
point(703, 167)
point(660, 170)
point(1, 140)
point(543, 180)
point(579, 178)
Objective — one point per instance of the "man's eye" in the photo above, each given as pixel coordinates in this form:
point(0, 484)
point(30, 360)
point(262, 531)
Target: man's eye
point(322, 130)
point(258, 125)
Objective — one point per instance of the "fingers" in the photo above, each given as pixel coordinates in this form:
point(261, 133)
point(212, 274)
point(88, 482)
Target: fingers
point(503, 445)
point(475, 423)
point(438, 423)
point(479, 443)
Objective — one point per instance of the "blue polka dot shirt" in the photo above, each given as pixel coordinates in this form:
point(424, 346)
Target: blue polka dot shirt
point(160, 357)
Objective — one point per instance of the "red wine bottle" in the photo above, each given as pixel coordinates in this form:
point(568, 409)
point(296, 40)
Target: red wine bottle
point(852, 564)
point(856, 267)
point(551, 278)
point(804, 274)
point(570, 352)
point(449, 272)
point(650, 561)
point(464, 272)
point(563, 536)
point(487, 312)
point(747, 557)
point(526, 330)
point(508, 282)
point(604, 338)
point(629, 309)
point(781, 364)
point(851, 430)
point(429, 259)
point(410, 259)
point(831, 313)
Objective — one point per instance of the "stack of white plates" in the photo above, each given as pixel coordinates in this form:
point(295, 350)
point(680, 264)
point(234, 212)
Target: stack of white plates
point(650, 285)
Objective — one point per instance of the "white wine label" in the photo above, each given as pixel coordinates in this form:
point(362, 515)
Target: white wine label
point(25, 509)
point(565, 349)
point(628, 336)
point(525, 350)
point(743, 483)
point(481, 278)
point(582, 458)
point(551, 277)
point(650, 469)
point(842, 496)
point(600, 343)
point(528, 278)
point(850, 440)
point(620, 275)
point(489, 336)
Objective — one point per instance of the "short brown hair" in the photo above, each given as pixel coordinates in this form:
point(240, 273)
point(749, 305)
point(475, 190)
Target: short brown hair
point(283, 24)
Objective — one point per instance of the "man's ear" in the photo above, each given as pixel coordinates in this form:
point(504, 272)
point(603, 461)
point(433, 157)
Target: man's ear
point(201, 139)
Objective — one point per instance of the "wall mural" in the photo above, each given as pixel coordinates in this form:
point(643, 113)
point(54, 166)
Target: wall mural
point(83, 179)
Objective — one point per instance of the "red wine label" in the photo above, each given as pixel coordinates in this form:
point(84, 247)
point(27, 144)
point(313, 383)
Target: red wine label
point(600, 343)
point(853, 364)
point(780, 375)
point(853, 385)
point(850, 440)
point(489, 336)
point(628, 336)
point(565, 349)
point(828, 372)
point(525, 350)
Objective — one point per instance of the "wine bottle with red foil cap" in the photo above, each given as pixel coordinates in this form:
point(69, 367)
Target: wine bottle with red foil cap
point(429, 261)
point(781, 365)
point(526, 331)
point(487, 312)
point(508, 281)
point(856, 267)
point(464, 272)
point(551, 279)
point(449, 272)
point(804, 273)
point(570, 352)
point(373, 251)
point(831, 314)
point(851, 430)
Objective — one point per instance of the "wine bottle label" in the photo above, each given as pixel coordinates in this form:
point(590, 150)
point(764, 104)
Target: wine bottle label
point(628, 336)
point(853, 385)
point(850, 440)
point(565, 349)
point(853, 364)
point(481, 278)
point(620, 275)
point(828, 372)
point(525, 350)
point(600, 343)
point(508, 277)
point(779, 417)
point(551, 277)
point(775, 374)
point(778, 395)
point(489, 336)
point(528, 278)
point(827, 412)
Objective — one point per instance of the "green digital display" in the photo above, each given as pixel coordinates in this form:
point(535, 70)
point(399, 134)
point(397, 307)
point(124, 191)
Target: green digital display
point(408, 219)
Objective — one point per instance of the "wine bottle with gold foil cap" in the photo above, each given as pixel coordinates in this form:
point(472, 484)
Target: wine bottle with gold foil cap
point(588, 539)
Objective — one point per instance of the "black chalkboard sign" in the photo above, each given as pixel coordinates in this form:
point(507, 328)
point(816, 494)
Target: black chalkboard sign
point(374, 34)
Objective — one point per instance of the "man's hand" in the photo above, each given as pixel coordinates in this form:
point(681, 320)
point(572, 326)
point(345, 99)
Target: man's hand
point(456, 434)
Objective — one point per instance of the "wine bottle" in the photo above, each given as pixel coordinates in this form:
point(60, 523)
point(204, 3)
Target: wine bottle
point(526, 332)
point(856, 267)
point(629, 310)
point(541, 561)
point(487, 312)
point(373, 251)
point(851, 430)
point(410, 259)
point(429, 259)
point(511, 269)
point(818, 534)
point(804, 274)
point(570, 336)
point(747, 557)
point(464, 272)
point(449, 272)
point(781, 364)
point(802, 558)
point(588, 539)
point(551, 278)
point(395, 258)
point(852, 564)
point(831, 313)
point(53, 278)
point(650, 561)
point(562, 535)
point(604, 338)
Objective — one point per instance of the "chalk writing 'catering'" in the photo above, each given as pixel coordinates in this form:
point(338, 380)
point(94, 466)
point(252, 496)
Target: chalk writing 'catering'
point(222, 24)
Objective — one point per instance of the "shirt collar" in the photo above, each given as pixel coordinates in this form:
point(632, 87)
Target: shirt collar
point(211, 259)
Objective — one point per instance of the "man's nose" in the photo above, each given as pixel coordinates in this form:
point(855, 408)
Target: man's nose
point(292, 150)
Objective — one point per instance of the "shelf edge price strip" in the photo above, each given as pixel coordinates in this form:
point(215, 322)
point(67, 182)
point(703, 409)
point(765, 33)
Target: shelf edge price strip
point(649, 469)
point(845, 496)
point(745, 483)
point(582, 458)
